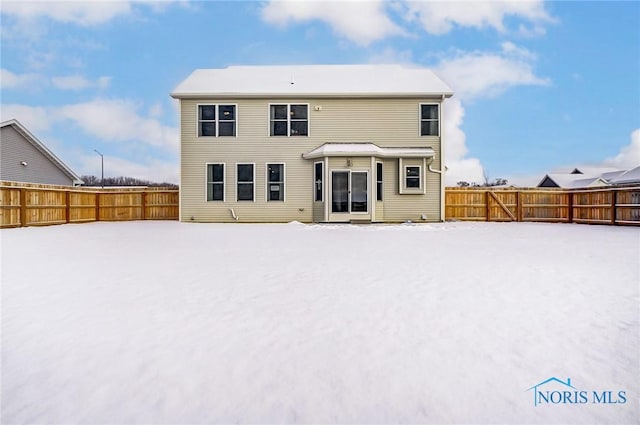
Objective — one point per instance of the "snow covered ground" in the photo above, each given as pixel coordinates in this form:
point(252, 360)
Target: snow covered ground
point(163, 322)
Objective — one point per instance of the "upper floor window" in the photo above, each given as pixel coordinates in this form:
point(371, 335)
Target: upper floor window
point(429, 120)
point(289, 120)
point(216, 120)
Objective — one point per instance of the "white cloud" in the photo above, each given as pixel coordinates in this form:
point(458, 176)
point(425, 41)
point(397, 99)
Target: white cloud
point(114, 120)
point(78, 82)
point(10, 80)
point(77, 12)
point(359, 21)
point(472, 75)
point(34, 118)
point(119, 120)
point(440, 17)
point(392, 56)
point(458, 167)
point(476, 74)
point(629, 156)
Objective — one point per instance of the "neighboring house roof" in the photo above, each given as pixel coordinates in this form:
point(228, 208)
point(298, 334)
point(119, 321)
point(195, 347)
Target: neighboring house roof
point(626, 177)
point(314, 80)
point(22, 130)
point(570, 181)
point(367, 149)
point(573, 180)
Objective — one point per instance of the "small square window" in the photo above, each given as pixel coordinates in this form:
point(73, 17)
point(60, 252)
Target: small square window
point(412, 177)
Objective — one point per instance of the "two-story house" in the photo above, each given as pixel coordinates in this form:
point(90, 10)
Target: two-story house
point(317, 143)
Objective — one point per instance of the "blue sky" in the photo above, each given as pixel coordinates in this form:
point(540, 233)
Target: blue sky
point(540, 86)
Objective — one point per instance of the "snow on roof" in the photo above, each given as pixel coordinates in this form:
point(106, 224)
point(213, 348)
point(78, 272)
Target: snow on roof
point(317, 80)
point(569, 181)
point(629, 176)
point(612, 174)
point(367, 149)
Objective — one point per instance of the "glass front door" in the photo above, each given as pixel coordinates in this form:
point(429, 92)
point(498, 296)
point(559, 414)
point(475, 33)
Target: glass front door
point(340, 191)
point(349, 192)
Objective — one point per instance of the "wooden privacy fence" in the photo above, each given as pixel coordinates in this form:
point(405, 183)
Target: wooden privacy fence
point(620, 205)
point(32, 204)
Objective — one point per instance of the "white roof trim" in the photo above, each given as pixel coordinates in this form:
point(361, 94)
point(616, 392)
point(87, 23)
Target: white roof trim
point(42, 148)
point(367, 149)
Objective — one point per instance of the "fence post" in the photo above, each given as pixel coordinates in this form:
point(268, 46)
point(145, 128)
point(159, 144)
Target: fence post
point(518, 206)
point(570, 207)
point(487, 207)
point(144, 205)
point(97, 206)
point(67, 206)
point(23, 207)
point(614, 199)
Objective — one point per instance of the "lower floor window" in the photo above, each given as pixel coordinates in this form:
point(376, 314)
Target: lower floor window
point(215, 182)
point(275, 182)
point(379, 181)
point(245, 179)
point(412, 177)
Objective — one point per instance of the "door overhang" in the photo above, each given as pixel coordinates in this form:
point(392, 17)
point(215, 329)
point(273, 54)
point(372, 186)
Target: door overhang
point(333, 149)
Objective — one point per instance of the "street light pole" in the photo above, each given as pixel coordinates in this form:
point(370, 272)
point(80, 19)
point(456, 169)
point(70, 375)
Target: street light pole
point(101, 166)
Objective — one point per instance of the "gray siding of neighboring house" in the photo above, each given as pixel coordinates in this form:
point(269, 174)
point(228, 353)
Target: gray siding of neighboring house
point(386, 122)
point(14, 149)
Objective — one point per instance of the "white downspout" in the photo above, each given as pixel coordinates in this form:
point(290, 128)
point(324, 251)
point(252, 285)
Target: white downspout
point(233, 214)
point(442, 166)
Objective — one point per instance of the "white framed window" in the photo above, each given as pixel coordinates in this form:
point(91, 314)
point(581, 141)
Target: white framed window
point(245, 181)
point(217, 120)
point(412, 176)
point(429, 119)
point(289, 120)
point(215, 182)
point(379, 187)
point(318, 181)
point(275, 182)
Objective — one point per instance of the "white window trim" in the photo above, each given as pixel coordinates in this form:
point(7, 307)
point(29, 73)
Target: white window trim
point(254, 181)
point(288, 104)
point(402, 182)
point(224, 181)
point(198, 105)
point(266, 181)
point(381, 181)
point(314, 181)
point(420, 119)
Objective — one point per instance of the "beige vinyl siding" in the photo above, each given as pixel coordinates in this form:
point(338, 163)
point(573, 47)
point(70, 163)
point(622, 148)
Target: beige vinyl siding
point(385, 122)
point(318, 212)
point(404, 207)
